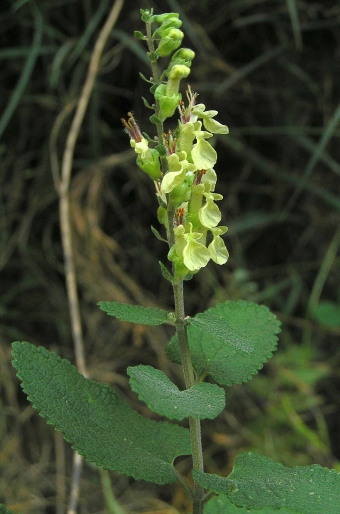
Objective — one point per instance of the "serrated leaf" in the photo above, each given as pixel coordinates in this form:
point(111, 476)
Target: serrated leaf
point(222, 330)
point(162, 396)
point(230, 342)
point(135, 313)
point(222, 505)
point(97, 422)
point(257, 482)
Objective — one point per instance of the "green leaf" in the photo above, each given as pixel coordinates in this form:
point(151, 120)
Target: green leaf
point(146, 103)
point(139, 35)
point(161, 150)
point(153, 119)
point(257, 482)
point(97, 422)
point(135, 313)
point(166, 273)
point(162, 396)
point(230, 342)
point(145, 79)
point(222, 505)
point(157, 234)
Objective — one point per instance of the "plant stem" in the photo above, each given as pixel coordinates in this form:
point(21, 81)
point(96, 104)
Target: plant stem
point(181, 324)
point(189, 377)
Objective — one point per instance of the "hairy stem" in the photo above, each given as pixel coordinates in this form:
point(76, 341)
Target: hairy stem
point(189, 377)
point(181, 324)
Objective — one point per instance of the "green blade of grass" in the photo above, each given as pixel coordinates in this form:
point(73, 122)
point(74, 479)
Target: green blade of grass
point(317, 155)
point(295, 21)
point(26, 72)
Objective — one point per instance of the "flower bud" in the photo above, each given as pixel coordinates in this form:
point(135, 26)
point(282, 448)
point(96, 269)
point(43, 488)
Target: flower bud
point(171, 40)
point(167, 103)
point(180, 194)
point(150, 164)
point(175, 75)
point(183, 56)
point(169, 23)
point(161, 18)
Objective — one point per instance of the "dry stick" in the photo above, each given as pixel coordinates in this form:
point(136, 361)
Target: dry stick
point(65, 219)
point(60, 472)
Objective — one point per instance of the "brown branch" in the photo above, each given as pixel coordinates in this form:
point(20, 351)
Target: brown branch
point(62, 185)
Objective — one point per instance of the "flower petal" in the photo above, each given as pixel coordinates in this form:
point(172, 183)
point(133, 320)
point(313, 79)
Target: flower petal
point(172, 179)
point(218, 251)
point(214, 126)
point(210, 215)
point(203, 154)
point(195, 255)
point(140, 147)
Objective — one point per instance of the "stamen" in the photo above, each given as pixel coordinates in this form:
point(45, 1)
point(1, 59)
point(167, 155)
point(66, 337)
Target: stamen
point(179, 216)
point(131, 127)
point(199, 175)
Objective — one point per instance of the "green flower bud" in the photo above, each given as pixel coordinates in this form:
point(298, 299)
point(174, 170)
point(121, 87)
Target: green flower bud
point(161, 18)
point(169, 23)
point(183, 56)
point(176, 74)
point(150, 164)
point(171, 40)
point(167, 103)
point(180, 194)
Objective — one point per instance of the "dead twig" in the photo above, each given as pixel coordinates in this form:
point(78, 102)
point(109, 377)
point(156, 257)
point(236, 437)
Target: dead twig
point(62, 185)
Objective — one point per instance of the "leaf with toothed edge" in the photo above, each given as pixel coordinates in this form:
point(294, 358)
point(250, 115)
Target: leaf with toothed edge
point(258, 483)
point(230, 342)
point(97, 422)
point(162, 396)
point(135, 313)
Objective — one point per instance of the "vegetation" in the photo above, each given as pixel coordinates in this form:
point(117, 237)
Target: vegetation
point(270, 71)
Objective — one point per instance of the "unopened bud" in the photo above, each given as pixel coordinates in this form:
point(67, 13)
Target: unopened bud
point(171, 40)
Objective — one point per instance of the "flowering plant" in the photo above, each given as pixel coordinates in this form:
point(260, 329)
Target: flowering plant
point(182, 164)
point(227, 343)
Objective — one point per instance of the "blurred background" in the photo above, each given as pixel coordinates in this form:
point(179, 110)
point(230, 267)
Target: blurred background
point(271, 70)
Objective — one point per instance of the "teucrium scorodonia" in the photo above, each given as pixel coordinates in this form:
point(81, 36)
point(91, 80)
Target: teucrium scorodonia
point(228, 343)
